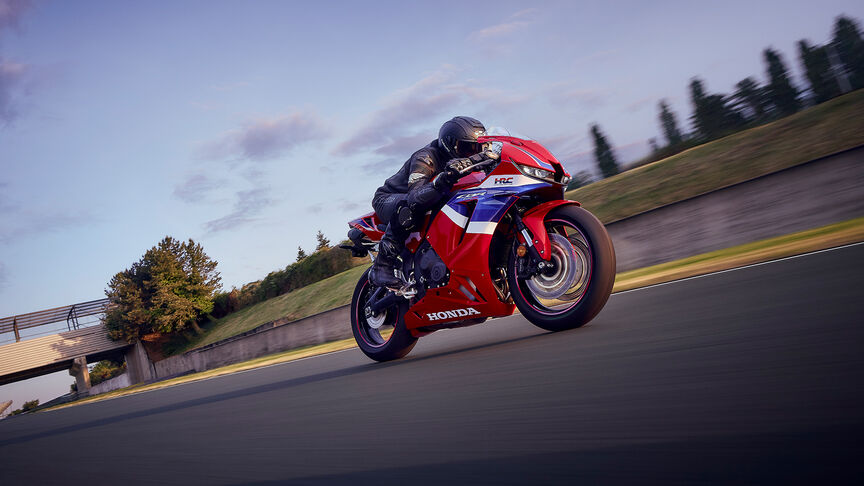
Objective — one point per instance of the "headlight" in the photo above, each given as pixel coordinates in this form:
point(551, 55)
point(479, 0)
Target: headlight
point(542, 174)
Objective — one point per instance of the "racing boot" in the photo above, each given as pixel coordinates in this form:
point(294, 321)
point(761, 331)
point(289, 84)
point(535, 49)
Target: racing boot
point(383, 272)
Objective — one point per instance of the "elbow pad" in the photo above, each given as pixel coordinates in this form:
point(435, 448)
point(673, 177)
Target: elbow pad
point(423, 196)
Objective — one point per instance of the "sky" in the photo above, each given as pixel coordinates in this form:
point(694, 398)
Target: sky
point(249, 126)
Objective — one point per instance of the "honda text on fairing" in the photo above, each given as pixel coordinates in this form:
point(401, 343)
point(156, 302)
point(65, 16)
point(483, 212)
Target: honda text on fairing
point(504, 239)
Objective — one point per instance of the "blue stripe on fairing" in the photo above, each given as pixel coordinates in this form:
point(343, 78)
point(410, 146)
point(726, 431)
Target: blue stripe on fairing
point(492, 203)
point(545, 165)
point(459, 208)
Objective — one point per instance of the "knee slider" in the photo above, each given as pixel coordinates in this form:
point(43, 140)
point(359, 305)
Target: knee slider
point(406, 217)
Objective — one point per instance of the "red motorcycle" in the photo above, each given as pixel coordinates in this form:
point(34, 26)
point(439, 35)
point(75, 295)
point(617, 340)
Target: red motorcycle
point(504, 239)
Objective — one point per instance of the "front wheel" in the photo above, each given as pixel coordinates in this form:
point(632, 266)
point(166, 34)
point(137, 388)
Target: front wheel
point(578, 284)
point(382, 336)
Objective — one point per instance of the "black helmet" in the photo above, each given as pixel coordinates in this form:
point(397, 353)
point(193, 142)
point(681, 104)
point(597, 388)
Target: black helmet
point(458, 137)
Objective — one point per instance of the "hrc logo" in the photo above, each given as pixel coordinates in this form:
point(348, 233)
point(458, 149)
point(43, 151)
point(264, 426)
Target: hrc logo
point(504, 180)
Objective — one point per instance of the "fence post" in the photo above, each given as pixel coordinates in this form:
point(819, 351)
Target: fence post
point(15, 328)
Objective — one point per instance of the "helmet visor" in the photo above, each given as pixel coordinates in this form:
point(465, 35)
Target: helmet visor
point(467, 148)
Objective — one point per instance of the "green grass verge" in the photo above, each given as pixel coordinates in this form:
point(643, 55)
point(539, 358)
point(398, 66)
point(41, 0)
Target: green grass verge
point(816, 132)
point(324, 295)
point(825, 237)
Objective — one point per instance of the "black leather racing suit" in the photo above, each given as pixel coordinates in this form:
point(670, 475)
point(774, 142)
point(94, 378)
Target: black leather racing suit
point(412, 184)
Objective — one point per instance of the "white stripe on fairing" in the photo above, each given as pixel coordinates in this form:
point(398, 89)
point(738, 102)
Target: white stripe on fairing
point(518, 180)
point(454, 216)
point(481, 227)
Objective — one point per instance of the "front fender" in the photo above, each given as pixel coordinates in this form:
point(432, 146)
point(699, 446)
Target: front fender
point(533, 219)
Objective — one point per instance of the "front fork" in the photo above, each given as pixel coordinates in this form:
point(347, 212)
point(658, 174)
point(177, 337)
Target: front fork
point(528, 262)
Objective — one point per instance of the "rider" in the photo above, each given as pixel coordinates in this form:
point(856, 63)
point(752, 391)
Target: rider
point(427, 176)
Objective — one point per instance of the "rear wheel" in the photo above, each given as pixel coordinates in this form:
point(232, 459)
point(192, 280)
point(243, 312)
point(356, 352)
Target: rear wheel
point(382, 336)
point(573, 290)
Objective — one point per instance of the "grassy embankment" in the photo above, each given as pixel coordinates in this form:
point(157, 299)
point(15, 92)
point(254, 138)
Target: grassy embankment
point(760, 251)
point(816, 132)
point(318, 297)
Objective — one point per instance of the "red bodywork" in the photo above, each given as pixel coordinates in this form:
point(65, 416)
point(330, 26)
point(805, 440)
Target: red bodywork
point(464, 251)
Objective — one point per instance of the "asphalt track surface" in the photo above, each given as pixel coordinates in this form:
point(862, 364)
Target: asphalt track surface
point(752, 376)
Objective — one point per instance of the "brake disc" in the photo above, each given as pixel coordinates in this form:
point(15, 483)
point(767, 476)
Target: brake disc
point(376, 321)
point(566, 268)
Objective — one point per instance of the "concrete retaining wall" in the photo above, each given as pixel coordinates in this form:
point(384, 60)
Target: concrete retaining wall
point(814, 194)
point(270, 338)
point(115, 383)
point(806, 196)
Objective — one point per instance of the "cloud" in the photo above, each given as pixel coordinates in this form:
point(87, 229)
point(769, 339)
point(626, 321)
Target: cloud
point(11, 88)
point(364, 204)
point(249, 205)
point(566, 143)
point(515, 22)
point(392, 129)
point(266, 138)
point(11, 74)
point(355, 207)
point(196, 187)
point(17, 222)
point(405, 146)
point(11, 11)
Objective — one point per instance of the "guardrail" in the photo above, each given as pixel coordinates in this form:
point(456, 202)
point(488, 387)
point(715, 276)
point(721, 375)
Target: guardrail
point(69, 313)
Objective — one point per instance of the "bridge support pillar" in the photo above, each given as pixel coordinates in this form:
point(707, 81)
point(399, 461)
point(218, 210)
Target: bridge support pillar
point(138, 364)
point(82, 376)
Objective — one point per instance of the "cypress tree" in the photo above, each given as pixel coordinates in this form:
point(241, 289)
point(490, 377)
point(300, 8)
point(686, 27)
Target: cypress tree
point(712, 117)
point(300, 253)
point(669, 124)
point(783, 96)
point(850, 50)
point(603, 154)
point(750, 97)
point(323, 242)
point(817, 68)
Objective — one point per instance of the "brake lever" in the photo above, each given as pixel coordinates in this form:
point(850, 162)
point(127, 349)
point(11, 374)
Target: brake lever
point(485, 158)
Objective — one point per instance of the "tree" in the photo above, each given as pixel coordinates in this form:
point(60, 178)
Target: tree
point(167, 291)
point(579, 179)
point(783, 96)
point(603, 154)
point(105, 370)
point(749, 98)
point(300, 253)
point(28, 406)
point(817, 68)
point(849, 46)
point(323, 243)
point(669, 124)
point(712, 117)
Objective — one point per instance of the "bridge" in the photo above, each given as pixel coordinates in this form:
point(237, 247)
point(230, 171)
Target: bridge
point(84, 340)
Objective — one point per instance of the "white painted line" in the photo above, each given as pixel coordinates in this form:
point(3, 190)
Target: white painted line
point(739, 268)
point(494, 318)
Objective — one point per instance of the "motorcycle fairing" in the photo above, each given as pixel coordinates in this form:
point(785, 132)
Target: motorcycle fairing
point(461, 234)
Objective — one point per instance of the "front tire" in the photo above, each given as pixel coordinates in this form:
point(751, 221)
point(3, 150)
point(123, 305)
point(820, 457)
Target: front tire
point(595, 256)
point(383, 337)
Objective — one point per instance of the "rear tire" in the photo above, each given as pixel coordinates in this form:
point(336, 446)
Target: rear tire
point(375, 342)
point(586, 304)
